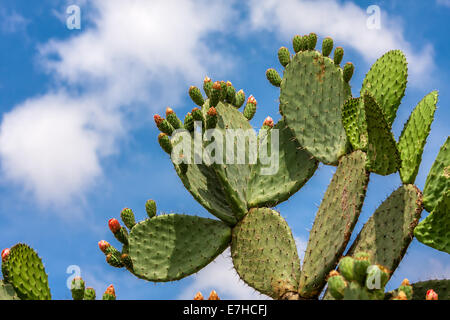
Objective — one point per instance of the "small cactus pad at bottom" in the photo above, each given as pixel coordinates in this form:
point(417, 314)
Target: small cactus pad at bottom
point(264, 253)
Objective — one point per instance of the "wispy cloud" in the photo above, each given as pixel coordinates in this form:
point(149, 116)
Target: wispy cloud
point(221, 276)
point(12, 22)
point(137, 55)
point(443, 2)
point(347, 24)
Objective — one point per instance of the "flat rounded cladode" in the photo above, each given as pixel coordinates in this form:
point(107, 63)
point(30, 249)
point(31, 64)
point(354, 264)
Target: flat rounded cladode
point(312, 93)
point(173, 246)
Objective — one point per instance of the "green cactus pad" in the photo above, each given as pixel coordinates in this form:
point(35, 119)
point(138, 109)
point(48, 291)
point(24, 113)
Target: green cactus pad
point(7, 292)
point(388, 233)
point(295, 167)
point(351, 119)
point(234, 176)
point(441, 287)
point(386, 82)
point(264, 253)
point(438, 178)
point(171, 247)
point(334, 222)
point(315, 120)
point(26, 273)
point(382, 154)
point(203, 184)
point(434, 230)
point(414, 136)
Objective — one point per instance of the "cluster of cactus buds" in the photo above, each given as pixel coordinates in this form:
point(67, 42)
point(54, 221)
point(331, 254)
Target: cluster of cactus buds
point(212, 296)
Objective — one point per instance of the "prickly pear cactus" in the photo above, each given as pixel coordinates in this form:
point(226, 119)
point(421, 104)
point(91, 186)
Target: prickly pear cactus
point(24, 277)
point(228, 167)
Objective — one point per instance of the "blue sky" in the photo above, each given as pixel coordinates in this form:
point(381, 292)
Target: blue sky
point(78, 142)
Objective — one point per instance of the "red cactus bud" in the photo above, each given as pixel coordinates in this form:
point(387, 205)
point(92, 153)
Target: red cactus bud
point(213, 296)
point(110, 290)
point(114, 225)
point(212, 112)
point(217, 85)
point(431, 295)
point(268, 122)
point(5, 254)
point(251, 100)
point(158, 119)
point(198, 296)
point(103, 245)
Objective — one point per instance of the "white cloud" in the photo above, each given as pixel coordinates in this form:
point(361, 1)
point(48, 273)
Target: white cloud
point(221, 276)
point(12, 22)
point(444, 2)
point(136, 56)
point(346, 23)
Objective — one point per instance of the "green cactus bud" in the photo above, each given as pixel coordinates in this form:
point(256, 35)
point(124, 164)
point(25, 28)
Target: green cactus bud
point(127, 215)
point(336, 285)
point(122, 235)
point(299, 43)
point(189, 122)
point(240, 99)
point(211, 118)
point(284, 56)
point(165, 143)
point(89, 294)
point(311, 41)
point(348, 71)
point(114, 260)
point(327, 46)
point(197, 115)
point(215, 94)
point(126, 260)
point(406, 288)
point(150, 208)
point(196, 96)
point(173, 119)
point(250, 108)
point(77, 288)
point(109, 294)
point(163, 125)
point(338, 55)
point(223, 90)
point(231, 93)
point(273, 77)
point(361, 263)
point(207, 86)
point(346, 268)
